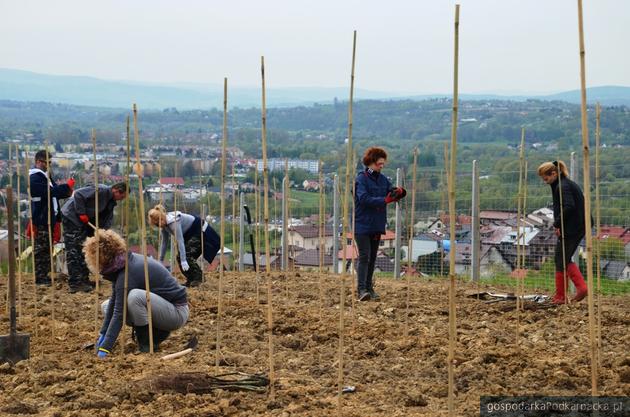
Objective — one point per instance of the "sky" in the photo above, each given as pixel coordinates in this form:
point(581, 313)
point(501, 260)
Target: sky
point(403, 46)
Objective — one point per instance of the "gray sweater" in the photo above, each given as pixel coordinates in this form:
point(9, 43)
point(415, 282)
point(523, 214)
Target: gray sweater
point(177, 224)
point(161, 282)
point(83, 201)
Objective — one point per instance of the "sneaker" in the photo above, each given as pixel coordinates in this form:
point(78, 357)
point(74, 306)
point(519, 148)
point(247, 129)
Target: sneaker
point(364, 296)
point(81, 287)
point(374, 296)
point(43, 281)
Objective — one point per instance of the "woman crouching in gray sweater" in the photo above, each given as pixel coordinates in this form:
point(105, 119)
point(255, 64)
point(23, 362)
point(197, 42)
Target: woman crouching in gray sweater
point(169, 303)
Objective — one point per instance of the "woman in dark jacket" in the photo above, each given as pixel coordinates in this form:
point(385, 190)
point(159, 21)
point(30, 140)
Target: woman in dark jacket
point(569, 224)
point(373, 191)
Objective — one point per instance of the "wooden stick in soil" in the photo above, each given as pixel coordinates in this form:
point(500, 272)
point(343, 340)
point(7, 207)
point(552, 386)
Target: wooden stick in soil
point(234, 235)
point(97, 274)
point(519, 245)
point(523, 252)
point(353, 292)
point(321, 236)
point(217, 358)
point(50, 246)
point(346, 205)
point(285, 225)
point(272, 376)
point(410, 259)
point(587, 210)
point(126, 232)
point(452, 333)
point(143, 225)
point(598, 113)
point(34, 292)
point(257, 232)
point(274, 242)
point(19, 233)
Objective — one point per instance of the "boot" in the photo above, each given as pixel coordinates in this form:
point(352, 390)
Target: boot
point(159, 336)
point(559, 297)
point(142, 337)
point(578, 280)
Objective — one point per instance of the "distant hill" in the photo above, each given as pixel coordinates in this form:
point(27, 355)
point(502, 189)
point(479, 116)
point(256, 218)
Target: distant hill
point(88, 91)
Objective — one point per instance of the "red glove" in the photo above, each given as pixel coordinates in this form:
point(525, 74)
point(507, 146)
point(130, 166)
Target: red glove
point(84, 218)
point(31, 230)
point(389, 198)
point(398, 193)
point(57, 233)
point(70, 183)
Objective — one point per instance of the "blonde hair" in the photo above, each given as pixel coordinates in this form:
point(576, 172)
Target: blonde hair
point(157, 216)
point(110, 245)
point(547, 168)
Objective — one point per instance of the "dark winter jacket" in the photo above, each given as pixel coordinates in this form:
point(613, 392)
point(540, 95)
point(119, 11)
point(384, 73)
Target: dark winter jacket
point(83, 202)
point(40, 203)
point(370, 215)
point(161, 282)
point(572, 208)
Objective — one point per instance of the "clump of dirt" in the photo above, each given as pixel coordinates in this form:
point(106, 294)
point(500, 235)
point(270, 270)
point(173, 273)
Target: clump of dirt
point(394, 354)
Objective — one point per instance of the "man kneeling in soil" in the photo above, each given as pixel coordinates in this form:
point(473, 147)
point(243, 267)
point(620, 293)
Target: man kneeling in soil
point(169, 305)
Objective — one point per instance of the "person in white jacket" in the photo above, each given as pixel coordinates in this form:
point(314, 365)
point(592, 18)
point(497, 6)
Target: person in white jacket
point(188, 231)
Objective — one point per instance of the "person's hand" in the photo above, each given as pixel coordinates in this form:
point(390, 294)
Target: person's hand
point(102, 353)
point(99, 341)
point(185, 266)
point(398, 193)
point(84, 218)
point(70, 182)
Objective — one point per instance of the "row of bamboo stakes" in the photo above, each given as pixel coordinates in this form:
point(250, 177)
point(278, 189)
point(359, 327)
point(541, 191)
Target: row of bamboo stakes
point(594, 335)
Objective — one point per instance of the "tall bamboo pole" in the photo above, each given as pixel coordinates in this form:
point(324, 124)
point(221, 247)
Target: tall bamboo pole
point(19, 230)
point(321, 235)
point(452, 334)
point(587, 209)
point(97, 273)
point(222, 227)
point(234, 242)
point(598, 229)
point(519, 244)
point(30, 218)
point(143, 225)
point(410, 243)
point(50, 243)
point(346, 205)
point(256, 256)
point(272, 376)
point(126, 226)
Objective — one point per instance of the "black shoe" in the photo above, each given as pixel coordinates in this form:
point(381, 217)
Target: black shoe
point(80, 287)
point(192, 284)
point(364, 296)
point(142, 337)
point(374, 296)
point(159, 336)
point(46, 282)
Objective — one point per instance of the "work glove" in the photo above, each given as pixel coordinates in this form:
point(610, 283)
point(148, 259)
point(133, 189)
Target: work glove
point(389, 199)
point(185, 266)
point(70, 183)
point(99, 341)
point(102, 353)
point(398, 193)
point(31, 230)
point(84, 218)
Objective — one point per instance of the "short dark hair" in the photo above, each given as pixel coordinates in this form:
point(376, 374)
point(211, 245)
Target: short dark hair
point(41, 155)
point(121, 187)
point(373, 154)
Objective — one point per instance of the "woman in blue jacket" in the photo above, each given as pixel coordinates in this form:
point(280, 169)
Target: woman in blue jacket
point(373, 192)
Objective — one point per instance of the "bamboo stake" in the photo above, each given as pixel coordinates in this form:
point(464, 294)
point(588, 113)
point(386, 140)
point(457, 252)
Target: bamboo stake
point(519, 245)
point(598, 113)
point(272, 376)
point(30, 218)
point(354, 295)
point(143, 228)
point(50, 244)
point(523, 252)
point(346, 205)
point(97, 273)
point(444, 201)
point(410, 244)
point(19, 228)
point(587, 210)
point(452, 334)
point(257, 231)
point(234, 242)
point(321, 235)
point(275, 216)
point(217, 357)
point(285, 224)
point(126, 226)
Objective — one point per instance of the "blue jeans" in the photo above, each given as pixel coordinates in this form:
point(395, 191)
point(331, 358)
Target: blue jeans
point(368, 248)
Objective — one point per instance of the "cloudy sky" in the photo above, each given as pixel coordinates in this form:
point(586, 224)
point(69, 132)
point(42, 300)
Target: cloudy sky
point(506, 46)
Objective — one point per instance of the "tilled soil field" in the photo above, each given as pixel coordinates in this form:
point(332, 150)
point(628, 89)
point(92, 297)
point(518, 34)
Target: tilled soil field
point(397, 366)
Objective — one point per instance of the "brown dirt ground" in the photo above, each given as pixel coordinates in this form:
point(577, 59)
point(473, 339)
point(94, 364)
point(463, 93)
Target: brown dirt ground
point(394, 374)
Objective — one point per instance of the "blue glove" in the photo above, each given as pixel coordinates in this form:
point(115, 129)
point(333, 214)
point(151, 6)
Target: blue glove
point(99, 341)
point(102, 353)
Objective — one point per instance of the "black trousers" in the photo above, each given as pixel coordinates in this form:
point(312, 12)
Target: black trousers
point(570, 246)
point(368, 248)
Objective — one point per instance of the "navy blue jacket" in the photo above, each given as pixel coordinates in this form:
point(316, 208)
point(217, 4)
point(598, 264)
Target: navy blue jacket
point(39, 197)
point(572, 208)
point(370, 215)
